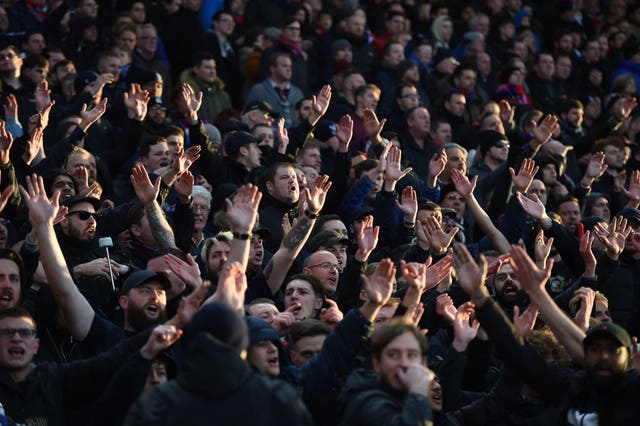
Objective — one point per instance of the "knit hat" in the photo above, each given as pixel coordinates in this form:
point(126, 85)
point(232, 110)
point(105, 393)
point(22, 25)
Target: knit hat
point(324, 130)
point(260, 330)
point(82, 79)
point(338, 45)
point(221, 322)
point(488, 138)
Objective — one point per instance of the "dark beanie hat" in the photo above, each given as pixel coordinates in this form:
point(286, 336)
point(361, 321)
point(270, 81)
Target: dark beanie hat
point(82, 79)
point(260, 330)
point(221, 322)
point(488, 138)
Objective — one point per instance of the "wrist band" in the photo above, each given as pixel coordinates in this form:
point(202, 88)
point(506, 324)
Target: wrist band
point(310, 215)
point(242, 236)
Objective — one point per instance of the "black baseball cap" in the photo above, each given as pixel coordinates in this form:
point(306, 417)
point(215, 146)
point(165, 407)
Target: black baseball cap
point(327, 239)
point(233, 141)
point(608, 329)
point(143, 276)
point(263, 106)
point(70, 201)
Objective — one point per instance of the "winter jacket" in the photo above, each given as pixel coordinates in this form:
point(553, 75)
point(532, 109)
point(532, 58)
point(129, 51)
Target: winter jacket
point(216, 386)
point(370, 402)
point(52, 391)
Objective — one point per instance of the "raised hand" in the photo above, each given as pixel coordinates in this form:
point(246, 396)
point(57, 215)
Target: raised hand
point(445, 307)
point(613, 237)
point(285, 320)
point(283, 137)
point(188, 272)
point(464, 329)
point(331, 315)
point(372, 125)
point(471, 276)
point(415, 275)
point(408, 204)
point(463, 186)
point(543, 132)
point(242, 211)
point(526, 173)
point(587, 296)
point(286, 225)
point(414, 313)
point(189, 306)
point(186, 159)
point(633, 193)
point(525, 322)
point(42, 210)
point(379, 286)
point(11, 107)
point(318, 194)
point(184, 186)
point(596, 166)
point(344, 133)
point(144, 189)
point(33, 145)
point(438, 271)
point(80, 175)
point(506, 111)
point(542, 249)
point(136, 100)
point(232, 284)
point(393, 171)
point(417, 379)
point(367, 238)
point(42, 95)
point(320, 104)
point(438, 239)
point(437, 164)
point(530, 277)
point(532, 205)
point(91, 116)
point(161, 338)
point(6, 141)
point(586, 242)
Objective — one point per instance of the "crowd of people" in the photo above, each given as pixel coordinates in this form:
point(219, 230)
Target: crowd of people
point(276, 212)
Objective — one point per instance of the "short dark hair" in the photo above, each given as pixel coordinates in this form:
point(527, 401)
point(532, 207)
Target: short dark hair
point(33, 61)
point(16, 312)
point(148, 142)
point(394, 328)
point(200, 56)
point(272, 170)
point(273, 58)
point(308, 328)
point(171, 130)
point(315, 283)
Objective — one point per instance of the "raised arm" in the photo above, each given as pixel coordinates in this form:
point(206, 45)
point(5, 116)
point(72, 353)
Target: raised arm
point(465, 188)
point(147, 194)
point(277, 268)
point(42, 211)
point(242, 212)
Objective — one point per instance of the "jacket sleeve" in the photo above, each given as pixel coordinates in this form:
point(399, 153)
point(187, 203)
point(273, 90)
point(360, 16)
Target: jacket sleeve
point(380, 409)
point(546, 379)
point(354, 198)
point(349, 289)
point(568, 247)
point(83, 381)
point(339, 174)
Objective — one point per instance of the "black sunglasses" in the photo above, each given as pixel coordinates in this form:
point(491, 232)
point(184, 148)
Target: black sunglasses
point(83, 215)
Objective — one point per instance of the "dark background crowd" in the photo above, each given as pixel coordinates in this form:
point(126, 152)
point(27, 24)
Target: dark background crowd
point(274, 212)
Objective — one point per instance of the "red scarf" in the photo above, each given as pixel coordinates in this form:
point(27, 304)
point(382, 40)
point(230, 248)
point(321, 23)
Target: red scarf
point(293, 46)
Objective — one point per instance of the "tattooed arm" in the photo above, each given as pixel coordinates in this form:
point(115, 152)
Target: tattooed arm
point(277, 268)
point(147, 194)
point(292, 243)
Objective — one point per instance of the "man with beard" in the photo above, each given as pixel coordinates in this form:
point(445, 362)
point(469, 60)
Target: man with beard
point(143, 296)
point(11, 276)
point(603, 393)
point(281, 197)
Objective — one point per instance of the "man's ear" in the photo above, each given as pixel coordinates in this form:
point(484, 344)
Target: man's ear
point(269, 186)
point(375, 363)
point(123, 301)
point(319, 303)
point(243, 151)
point(135, 230)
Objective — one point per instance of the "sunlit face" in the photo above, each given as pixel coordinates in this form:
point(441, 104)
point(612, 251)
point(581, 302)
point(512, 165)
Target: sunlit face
point(157, 375)
point(284, 187)
point(401, 353)
point(384, 316)
point(9, 284)
point(127, 40)
point(159, 156)
point(144, 305)
point(267, 135)
point(265, 311)
point(17, 350)
point(264, 357)
point(301, 292)
point(80, 223)
point(325, 267)
point(570, 213)
point(336, 226)
point(218, 254)
point(507, 288)
point(537, 187)
point(256, 252)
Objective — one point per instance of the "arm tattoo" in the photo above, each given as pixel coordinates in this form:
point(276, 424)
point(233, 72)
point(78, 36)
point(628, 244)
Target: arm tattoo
point(297, 235)
point(268, 269)
point(162, 232)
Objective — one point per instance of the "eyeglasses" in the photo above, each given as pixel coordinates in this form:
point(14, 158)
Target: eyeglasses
point(326, 265)
point(22, 332)
point(82, 215)
point(502, 144)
